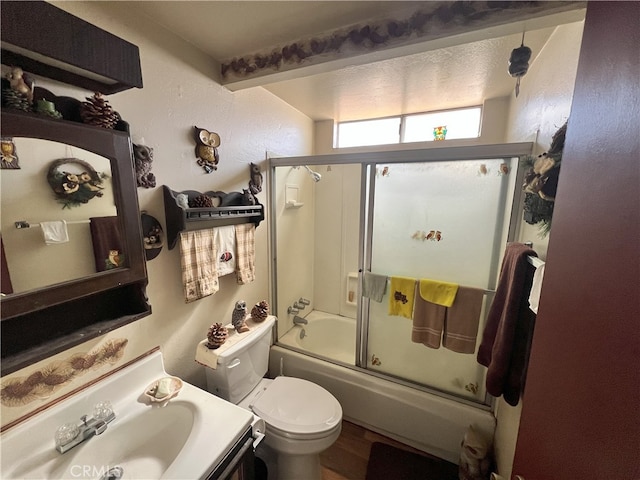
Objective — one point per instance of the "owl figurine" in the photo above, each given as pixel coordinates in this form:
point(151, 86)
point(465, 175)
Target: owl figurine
point(143, 157)
point(255, 181)
point(207, 144)
point(238, 317)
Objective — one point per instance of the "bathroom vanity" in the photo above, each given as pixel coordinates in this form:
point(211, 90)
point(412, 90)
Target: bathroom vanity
point(190, 435)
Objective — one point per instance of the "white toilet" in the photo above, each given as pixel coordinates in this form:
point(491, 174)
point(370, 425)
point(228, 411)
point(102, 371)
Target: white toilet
point(302, 419)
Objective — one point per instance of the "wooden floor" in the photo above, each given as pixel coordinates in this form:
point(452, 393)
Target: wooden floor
point(347, 458)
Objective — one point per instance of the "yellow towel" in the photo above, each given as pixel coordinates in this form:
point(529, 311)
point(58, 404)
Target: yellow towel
point(401, 296)
point(440, 293)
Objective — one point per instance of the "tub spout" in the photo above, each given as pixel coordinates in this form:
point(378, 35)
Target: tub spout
point(299, 320)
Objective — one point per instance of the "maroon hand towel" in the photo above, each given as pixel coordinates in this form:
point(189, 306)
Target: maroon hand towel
point(506, 338)
point(107, 242)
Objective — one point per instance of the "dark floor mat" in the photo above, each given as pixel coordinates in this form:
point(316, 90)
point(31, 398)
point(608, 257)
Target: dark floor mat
point(390, 463)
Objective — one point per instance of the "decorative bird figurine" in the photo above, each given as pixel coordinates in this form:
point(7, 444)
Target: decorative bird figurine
point(238, 317)
point(207, 144)
point(21, 83)
point(255, 181)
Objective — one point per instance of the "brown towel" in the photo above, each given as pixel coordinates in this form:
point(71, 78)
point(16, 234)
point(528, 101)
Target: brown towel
point(507, 335)
point(246, 253)
point(107, 242)
point(461, 322)
point(428, 322)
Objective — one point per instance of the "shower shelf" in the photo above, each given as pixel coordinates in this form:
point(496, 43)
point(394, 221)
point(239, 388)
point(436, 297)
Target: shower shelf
point(180, 219)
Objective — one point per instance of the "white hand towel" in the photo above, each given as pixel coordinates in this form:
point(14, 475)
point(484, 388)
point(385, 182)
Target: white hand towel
point(225, 240)
point(55, 232)
point(536, 286)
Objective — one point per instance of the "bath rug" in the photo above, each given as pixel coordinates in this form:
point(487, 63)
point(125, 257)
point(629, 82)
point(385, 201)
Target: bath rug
point(390, 463)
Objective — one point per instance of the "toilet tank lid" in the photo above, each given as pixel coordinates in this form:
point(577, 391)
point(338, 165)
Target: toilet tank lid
point(239, 341)
point(298, 406)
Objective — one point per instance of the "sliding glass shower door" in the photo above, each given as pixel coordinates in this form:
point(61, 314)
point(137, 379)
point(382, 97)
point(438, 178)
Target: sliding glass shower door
point(445, 221)
point(442, 214)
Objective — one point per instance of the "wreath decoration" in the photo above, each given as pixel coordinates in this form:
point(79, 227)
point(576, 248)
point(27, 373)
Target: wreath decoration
point(75, 186)
point(541, 183)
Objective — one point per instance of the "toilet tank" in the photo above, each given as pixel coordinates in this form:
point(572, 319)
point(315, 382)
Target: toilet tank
point(244, 363)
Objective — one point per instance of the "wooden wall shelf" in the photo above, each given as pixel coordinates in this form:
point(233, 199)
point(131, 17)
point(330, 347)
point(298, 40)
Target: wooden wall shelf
point(47, 41)
point(184, 219)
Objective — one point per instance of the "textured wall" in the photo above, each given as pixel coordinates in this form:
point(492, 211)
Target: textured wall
point(179, 93)
point(541, 108)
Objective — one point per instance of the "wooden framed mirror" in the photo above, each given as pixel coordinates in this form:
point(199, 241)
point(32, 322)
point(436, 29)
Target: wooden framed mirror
point(45, 319)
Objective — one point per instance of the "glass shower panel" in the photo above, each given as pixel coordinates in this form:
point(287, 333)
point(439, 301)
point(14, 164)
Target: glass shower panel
point(444, 221)
point(316, 257)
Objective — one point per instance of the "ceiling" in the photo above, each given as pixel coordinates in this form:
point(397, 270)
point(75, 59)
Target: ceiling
point(438, 75)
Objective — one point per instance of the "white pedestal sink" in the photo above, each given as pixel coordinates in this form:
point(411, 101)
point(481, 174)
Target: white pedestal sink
point(184, 437)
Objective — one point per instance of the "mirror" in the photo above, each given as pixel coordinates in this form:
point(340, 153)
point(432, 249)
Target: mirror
point(38, 252)
point(110, 298)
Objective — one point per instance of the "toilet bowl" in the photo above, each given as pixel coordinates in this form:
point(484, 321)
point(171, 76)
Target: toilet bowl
point(301, 418)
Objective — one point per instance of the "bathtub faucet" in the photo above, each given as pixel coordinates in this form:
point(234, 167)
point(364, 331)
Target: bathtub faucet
point(304, 301)
point(299, 306)
point(292, 311)
point(299, 320)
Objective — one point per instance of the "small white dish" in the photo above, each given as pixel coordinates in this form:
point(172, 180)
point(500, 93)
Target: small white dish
point(163, 389)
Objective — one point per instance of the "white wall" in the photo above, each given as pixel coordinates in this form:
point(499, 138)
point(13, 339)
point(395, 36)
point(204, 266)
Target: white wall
point(541, 108)
point(179, 93)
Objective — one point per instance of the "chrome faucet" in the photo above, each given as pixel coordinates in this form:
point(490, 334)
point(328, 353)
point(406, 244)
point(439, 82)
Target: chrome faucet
point(299, 320)
point(299, 306)
point(293, 311)
point(70, 434)
point(304, 301)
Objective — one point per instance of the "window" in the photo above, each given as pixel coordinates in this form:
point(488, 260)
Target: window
point(419, 127)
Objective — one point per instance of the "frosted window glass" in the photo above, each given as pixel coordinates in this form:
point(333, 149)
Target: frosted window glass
point(381, 131)
point(463, 123)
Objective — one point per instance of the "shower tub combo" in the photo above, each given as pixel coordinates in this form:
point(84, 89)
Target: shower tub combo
point(404, 213)
point(426, 421)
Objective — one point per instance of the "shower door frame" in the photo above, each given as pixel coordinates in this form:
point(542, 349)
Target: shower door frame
point(368, 160)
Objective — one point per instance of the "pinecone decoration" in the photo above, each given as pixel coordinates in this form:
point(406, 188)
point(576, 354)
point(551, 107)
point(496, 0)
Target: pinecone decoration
point(97, 111)
point(201, 201)
point(216, 335)
point(15, 100)
point(260, 311)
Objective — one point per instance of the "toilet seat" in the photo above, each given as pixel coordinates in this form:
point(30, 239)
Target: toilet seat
point(297, 408)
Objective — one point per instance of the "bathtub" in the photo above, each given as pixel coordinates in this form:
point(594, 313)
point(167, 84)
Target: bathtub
point(423, 420)
point(327, 335)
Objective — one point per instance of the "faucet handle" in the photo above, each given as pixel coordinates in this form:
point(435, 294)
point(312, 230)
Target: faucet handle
point(66, 433)
point(292, 311)
point(304, 301)
point(103, 410)
point(299, 306)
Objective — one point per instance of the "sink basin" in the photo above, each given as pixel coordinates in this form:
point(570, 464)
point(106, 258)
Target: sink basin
point(185, 437)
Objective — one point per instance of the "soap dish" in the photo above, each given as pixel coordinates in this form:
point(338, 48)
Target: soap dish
point(163, 389)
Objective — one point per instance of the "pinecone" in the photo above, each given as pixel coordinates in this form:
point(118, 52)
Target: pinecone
point(15, 100)
point(201, 201)
point(260, 311)
point(97, 111)
point(216, 335)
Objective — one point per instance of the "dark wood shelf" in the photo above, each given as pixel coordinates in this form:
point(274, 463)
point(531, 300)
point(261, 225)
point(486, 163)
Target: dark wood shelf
point(180, 219)
point(45, 40)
